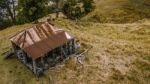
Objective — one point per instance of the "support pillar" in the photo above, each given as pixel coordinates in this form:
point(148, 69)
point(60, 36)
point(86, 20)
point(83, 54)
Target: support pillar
point(73, 46)
point(34, 66)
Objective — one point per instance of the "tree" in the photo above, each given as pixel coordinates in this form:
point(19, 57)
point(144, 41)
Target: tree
point(75, 9)
point(8, 10)
point(88, 5)
point(31, 10)
point(58, 6)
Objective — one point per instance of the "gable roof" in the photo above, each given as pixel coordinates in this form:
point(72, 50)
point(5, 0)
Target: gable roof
point(40, 39)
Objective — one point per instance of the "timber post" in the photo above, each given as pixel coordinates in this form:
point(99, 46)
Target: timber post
point(34, 66)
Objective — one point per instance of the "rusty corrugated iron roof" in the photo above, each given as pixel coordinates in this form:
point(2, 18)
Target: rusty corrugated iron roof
point(40, 39)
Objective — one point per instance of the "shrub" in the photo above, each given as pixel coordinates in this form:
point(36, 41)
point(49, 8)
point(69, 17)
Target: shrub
point(32, 9)
point(88, 5)
point(75, 9)
point(4, 24)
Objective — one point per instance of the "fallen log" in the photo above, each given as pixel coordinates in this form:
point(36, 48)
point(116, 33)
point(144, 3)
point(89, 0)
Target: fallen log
point(9, 54)
point(80, 57)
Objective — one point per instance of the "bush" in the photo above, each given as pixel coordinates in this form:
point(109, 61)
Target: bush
point(31, 10)
point(78, 12)
point(72, 11)
point(4, 24)
point(75, 10)
point(88, 5)
point(21, 19)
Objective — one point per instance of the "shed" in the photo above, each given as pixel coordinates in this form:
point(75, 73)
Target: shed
point(40, 39)
point(42, 46)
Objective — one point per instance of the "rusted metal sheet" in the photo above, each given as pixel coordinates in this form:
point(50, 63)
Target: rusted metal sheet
point(40, 39)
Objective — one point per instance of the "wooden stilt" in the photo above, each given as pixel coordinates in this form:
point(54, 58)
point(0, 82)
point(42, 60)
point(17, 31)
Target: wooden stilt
point(70, 47)
point(73, 46)
point(34, 66)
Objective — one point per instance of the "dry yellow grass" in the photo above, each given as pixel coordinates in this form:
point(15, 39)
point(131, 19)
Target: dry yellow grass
point(120, 55)
point(119, 11)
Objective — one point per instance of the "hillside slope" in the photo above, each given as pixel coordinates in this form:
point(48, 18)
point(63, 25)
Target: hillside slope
point(119, 11)
point(120, 55)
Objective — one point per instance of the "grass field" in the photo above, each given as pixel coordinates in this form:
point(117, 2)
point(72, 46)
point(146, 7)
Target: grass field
point(120, 55)
point(119, 11)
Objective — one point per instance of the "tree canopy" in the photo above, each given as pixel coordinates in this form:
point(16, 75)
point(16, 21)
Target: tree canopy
point(75, 9)
point(30, 10)
point(22, 11)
